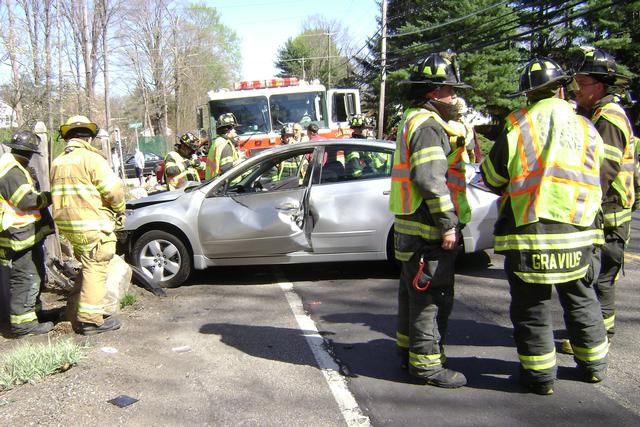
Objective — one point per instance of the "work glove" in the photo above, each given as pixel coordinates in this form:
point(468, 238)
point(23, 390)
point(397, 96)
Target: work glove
point(119, 221)
point(44, 199)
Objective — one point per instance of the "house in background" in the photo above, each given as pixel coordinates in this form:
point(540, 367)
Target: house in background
point(7, 116)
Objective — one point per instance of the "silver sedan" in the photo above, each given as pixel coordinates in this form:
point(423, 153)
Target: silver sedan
point(321, 201)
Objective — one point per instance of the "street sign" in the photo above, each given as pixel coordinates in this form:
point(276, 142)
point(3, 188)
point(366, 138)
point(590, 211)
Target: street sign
point(135, 125)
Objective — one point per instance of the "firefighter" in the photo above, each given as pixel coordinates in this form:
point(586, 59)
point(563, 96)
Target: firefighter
point(426, 223)
point(287, 133)
point(297, 133)
point(289, 167)
point(24, 223)
point(223, 153)
point(361, 126)
point(88, 205)
point(598, 83)
point(182, 165)
point(546, 165)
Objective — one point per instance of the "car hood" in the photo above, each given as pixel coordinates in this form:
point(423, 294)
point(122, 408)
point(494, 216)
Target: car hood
point(153, 199)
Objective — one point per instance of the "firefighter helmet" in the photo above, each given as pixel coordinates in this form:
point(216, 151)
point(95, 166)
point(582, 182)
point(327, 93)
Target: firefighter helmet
point(360, 121)
point(540, 73)
point(24, 140)
point(226, 120)
point(287, 129)
point(81, 126)
point(599, 64)
point(437, 70)
point(190, 140)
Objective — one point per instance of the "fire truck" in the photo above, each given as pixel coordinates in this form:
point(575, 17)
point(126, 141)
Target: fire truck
point(262, 107)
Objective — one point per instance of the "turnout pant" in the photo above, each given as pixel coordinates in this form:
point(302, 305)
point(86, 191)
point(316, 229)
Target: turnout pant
point(533, 329)
point(26, 277)
point(90, 305)
point(423, 318)
point(612, 257)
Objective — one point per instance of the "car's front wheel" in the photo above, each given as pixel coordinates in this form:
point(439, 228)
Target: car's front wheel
point(162, 257)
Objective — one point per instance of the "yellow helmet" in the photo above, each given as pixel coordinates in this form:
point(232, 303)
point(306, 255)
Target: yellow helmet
point(79, 122)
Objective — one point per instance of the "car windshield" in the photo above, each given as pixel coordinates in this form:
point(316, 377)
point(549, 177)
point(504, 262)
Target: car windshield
point(252, 113)
point(303, 108)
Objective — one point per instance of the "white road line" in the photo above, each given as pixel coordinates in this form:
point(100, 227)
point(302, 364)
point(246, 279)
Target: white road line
point(337, 384)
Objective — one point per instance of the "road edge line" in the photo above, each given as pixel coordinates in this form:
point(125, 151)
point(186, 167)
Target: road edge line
point(349, 408)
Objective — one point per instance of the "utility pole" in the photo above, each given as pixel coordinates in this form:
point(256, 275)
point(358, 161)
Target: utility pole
point(383, 60)
point(329, 60)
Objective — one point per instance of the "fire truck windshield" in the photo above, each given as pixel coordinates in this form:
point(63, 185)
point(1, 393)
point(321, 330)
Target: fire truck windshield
point(262, 114)
point(302, 108)
point(252, 113)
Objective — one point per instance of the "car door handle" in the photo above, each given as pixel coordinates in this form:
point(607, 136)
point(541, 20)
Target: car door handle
point(287, 206)
point(386, 192)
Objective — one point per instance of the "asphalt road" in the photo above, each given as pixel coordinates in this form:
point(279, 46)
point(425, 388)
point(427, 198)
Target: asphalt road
point(353, 306)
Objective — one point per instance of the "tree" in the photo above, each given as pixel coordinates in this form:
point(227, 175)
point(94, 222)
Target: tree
point(321, 51)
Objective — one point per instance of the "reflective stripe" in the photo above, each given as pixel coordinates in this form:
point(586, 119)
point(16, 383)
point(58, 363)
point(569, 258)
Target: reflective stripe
point(90, 309)
point(610, 322)
point(18, 319)
point(549, 278)
point(20, 245)
point(427, 155)
point(402, 340)
point(598, 352)
point(616, 219)
point(415, 228)
point(538, 363)
point(574, 240)
point(74, 226)
point(493, 178)
point(403, 256)
point(440, 204)
point(612, 153)
point(10, 214)
point(74, 190)
point(424, 360)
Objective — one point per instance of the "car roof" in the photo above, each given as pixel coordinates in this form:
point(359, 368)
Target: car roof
point(373, 143)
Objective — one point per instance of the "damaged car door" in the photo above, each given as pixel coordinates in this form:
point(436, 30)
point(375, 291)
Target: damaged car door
point(258, 210)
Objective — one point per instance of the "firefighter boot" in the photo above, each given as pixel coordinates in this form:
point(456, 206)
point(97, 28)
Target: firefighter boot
point(110, 324)
point(566, 347)
point(446, 378)
point(31, 328)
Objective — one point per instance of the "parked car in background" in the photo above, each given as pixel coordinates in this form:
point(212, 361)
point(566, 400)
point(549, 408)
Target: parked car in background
point(151, 164)
point(290, 204)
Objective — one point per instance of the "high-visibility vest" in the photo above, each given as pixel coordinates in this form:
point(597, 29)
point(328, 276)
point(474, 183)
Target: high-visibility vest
point(214, 159)
point(173, 159)
point(623, 182)
point(554, 172)
point(405, 197)
point(10, 214)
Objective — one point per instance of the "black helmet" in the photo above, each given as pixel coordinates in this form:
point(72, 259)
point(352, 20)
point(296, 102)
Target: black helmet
point(437, 70)
point(599, 64)
point(190, 140)
point(540, 73)
point(24, 140)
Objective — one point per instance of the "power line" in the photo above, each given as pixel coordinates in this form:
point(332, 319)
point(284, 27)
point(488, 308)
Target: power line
point(452, 21)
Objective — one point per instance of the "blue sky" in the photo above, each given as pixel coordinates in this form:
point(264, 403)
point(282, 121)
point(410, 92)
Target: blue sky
point(263, 26)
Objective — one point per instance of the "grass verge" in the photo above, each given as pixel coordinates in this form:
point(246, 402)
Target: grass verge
point(127, 300)
point(30, 363)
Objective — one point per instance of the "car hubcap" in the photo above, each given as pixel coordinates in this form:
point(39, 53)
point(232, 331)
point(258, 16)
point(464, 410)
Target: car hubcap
point(160, 260)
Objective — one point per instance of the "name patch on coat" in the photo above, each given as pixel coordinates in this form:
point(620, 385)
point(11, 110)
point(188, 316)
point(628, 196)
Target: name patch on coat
point(555, 260)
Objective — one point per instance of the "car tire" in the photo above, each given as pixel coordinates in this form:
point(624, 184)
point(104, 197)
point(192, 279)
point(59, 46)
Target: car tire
point(162, 257)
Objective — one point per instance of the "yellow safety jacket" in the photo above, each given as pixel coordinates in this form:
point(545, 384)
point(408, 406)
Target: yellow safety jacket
point(553, 168)
point(13, 218)
point(86, 195)
point(186, 172)
point(215, 161)
point(405, 197)
point(623, 182)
